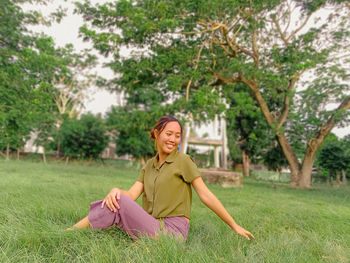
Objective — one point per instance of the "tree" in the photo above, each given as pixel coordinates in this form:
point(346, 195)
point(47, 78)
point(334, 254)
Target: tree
point(28, 65)
point(35, 76)
point(157, 76)
point(215, 43)
point(19, 89)
point(246, 126)
point(85, 138)
point(274, 159)
point(131, 128)
point(333, 158)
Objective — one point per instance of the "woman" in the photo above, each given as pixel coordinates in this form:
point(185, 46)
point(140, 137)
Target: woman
point(165, 182)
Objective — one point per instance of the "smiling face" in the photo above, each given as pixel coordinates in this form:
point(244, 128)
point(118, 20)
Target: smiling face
point(169, 138)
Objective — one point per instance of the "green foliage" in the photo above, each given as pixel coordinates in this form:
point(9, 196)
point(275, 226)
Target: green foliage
point(246, 126)
point(161, 66)
point(84, 138)
point(274, 158)
point(131, 129)
point(197, 48)
point(334, 156)
point(30, 66)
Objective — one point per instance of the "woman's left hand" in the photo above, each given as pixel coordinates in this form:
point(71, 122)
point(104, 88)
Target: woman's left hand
point(242, 232)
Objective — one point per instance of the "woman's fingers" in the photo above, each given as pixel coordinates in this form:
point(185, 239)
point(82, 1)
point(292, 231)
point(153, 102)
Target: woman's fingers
point(244, 233)
point(111, 200)
point(115, 203)
point(248, 235)
point(251, 235)
point(111, 203)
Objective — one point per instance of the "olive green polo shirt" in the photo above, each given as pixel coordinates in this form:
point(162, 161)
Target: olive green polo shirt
point(167, 189)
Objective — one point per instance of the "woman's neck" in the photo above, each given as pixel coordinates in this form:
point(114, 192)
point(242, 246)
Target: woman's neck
point(161, 158)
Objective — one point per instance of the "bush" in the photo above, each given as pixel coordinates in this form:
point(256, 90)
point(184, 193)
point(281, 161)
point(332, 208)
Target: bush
point(84, 138)
point(131, 128)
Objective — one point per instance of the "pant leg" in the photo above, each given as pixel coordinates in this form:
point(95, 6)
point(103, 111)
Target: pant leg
point(131, 218)
point(177, 226)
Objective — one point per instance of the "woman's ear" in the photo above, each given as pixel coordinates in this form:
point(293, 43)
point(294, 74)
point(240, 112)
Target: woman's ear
point(156, 134)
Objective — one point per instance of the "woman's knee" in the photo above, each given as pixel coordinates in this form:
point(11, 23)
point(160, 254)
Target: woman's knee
point(123, 200)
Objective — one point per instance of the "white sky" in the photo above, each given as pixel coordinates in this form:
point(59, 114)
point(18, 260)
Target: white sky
point(67, 32)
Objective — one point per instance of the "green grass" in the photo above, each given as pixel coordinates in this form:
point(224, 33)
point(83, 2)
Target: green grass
point(38, 202)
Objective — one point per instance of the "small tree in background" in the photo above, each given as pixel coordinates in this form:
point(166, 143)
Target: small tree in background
point(131, 128)
point(274, 159)
point(84, 138)
point(246, 126)
point(333, 157)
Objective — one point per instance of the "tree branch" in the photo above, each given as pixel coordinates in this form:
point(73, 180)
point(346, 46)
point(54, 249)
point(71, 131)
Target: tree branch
point(233, 24)
point(255, 49)
point(299, 28)
point(216, 26)
point(195, 68)
point(282, 118)
point(228, 41)
point(222, 45)
point(289, 18)
point(280, 31)
point(222, 80)
point(327, 126)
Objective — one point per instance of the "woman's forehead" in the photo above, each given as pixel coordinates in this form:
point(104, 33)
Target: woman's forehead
point(173, 126)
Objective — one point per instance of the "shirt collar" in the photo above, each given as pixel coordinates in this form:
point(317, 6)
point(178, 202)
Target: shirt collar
point(169, 159)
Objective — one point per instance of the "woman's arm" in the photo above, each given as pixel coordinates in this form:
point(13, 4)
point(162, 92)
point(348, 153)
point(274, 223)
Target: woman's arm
point(211, 201)
point(111, 199)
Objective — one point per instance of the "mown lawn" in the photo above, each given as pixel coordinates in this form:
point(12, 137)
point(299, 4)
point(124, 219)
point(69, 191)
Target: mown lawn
point(38, 202)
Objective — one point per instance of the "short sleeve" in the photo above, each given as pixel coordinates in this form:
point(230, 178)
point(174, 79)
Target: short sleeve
point(190, 170)
point(141, 176)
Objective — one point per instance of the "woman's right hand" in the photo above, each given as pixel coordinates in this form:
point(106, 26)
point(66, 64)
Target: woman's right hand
point(111, 200)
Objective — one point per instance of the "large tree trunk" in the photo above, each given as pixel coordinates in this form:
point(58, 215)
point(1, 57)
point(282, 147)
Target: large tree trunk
point(18, 153)
point(293, 161)
point(300, 178)
point(309, 159)
point(306, 170)
point(272, 121)
point(246, 162)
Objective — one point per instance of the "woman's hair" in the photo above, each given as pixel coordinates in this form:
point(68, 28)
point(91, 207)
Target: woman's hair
point(161, 123)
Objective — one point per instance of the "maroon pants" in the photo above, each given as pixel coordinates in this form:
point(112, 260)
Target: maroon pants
point(135, 221)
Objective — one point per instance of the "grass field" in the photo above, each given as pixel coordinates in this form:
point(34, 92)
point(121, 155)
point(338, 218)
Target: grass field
point(38, 202)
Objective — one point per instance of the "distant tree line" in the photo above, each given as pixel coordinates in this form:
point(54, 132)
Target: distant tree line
point(39, 83)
